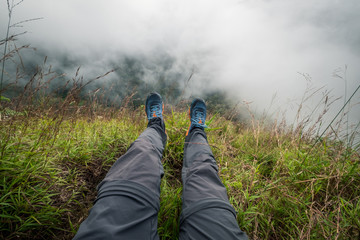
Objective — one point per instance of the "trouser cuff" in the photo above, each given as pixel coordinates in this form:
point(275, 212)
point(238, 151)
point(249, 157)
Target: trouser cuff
point(159, 125)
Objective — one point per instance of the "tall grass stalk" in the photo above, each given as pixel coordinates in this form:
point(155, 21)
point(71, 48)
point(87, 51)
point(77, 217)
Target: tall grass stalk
point(340, 111)
point(10, 8)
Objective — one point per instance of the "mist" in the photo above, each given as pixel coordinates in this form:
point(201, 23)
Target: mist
point(252, 50)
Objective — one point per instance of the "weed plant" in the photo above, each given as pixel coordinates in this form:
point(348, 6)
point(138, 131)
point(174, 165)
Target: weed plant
point(281, 187)
point(283, 182)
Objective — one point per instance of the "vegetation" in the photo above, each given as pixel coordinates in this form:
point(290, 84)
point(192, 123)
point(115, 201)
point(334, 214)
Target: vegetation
point(281, 185)
point(57, 143)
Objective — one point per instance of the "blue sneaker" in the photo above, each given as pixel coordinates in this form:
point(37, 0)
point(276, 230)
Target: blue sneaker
point(154, 106)
point(197, 114)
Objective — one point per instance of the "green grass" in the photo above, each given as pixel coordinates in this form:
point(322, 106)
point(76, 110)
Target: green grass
point(280, 187)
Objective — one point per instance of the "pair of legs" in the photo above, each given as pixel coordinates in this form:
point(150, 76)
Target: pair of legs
point(128, 198)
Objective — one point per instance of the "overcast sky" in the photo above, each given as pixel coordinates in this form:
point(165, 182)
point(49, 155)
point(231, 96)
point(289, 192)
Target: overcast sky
point(253, 49)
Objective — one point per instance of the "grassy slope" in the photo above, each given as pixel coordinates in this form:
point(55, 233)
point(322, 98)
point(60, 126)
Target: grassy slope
point(280, 187)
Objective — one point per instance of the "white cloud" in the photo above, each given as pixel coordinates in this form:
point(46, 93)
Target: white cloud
point(251, 48)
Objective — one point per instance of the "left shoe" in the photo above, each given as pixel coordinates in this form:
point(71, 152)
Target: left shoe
point(154, 106)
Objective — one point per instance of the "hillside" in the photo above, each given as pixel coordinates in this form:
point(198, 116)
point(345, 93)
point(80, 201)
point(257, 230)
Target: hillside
point(282, 186)
point(62, 126)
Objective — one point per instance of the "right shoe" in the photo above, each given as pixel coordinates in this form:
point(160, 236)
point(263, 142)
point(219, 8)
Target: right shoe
point(197, 114)
point(154, 106)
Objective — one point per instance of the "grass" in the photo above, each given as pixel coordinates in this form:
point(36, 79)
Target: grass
point(281, 187)
point(285, 182)
point(49, 170)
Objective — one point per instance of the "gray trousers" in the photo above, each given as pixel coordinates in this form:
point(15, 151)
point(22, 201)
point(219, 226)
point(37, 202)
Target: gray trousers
point(127, 203)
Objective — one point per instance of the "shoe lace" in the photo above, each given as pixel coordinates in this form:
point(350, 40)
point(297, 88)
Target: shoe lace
point(198, 119)
point(155, 109)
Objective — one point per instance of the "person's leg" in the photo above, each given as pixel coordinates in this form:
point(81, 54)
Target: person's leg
point(206, 211)
point(127, 203)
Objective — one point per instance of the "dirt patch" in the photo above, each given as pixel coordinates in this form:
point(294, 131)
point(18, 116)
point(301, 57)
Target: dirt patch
point(78, 196)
